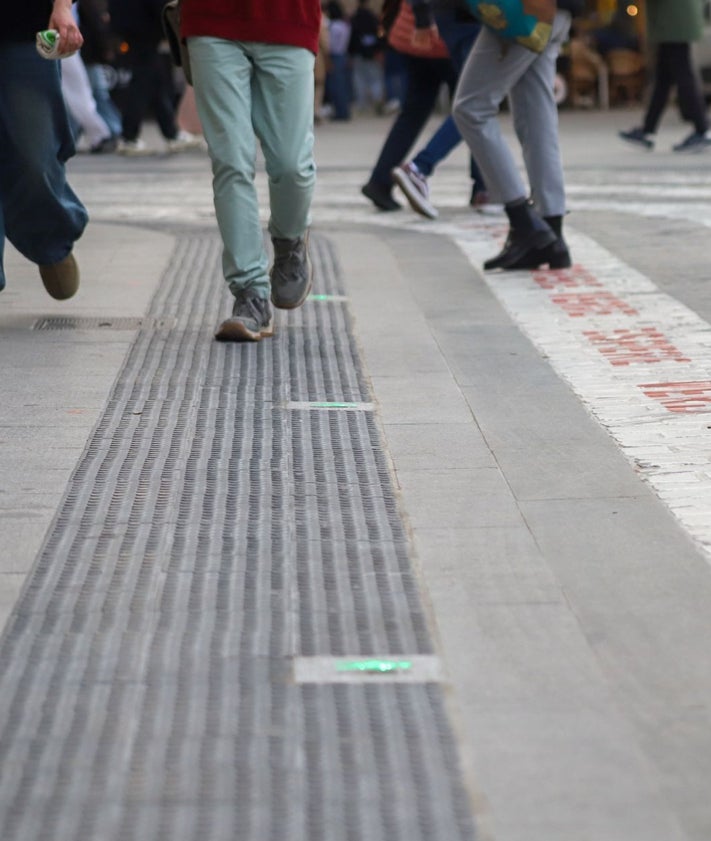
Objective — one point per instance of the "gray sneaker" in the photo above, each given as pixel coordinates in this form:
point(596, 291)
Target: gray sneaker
point(292, 273)
point(251, 320)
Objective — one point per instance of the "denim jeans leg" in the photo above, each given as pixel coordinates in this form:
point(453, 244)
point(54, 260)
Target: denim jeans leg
point(104, 104)
point(338, 87)
point(41, 215)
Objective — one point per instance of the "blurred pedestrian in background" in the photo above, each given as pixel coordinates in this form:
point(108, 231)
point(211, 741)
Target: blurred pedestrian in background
point(394, 79)
point(458, 29)
point(39, 213)
point(91, 129)
point(151, 88)
point(497, 69)
point(321, 69)
point(254, 81)
point(338, 79)
point(618, 34)
point(98, 52)
point(428, 66)
point(672, 26)
point(366, 52)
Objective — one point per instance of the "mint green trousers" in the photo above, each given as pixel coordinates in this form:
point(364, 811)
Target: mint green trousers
point(247, 92)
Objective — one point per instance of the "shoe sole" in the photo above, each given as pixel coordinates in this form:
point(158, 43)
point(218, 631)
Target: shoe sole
point(693, 150)
point(61, 283)
point(638, 143)
point(233, 330)
point(412, 194)
point(388, 208)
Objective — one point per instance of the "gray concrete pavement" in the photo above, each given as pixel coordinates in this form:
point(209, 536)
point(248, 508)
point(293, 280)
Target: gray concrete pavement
point(557, 511)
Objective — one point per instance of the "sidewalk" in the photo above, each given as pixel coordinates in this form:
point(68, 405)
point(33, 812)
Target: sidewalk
point(206, 546)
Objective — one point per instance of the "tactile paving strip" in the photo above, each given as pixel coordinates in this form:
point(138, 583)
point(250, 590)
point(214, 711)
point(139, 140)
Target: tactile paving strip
point(210, 535)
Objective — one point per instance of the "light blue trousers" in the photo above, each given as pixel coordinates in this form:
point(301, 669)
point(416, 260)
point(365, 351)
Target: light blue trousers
point(247, 92)
point(493, 71)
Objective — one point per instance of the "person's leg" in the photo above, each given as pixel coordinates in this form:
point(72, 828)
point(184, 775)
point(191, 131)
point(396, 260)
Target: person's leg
point(164, 96)
point(80, 101)
point(360, 83)
point(338, 87)
point(139, 91)
point(222, 78)
point(104, 104)
point(663, 82)
point(282, 115)
point(283, 118)
point(535, 116)
point(691, 100)
point(395, 76)
point(376, 83)
point(446, 138)
point(489, 74)
point(41, 215)
point(459, 37)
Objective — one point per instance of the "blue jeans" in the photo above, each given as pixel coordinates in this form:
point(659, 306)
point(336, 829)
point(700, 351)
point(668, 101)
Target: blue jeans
point(425, 76)
point(459, 37)
point(338, 87)
point(104, 104)
point(39, 212)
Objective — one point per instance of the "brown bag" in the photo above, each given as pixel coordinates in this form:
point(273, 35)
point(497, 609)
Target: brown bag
point(402, 30)
point(178, 47)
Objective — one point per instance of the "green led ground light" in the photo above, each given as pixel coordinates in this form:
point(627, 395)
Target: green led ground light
point(374, 666)
point(327, 405)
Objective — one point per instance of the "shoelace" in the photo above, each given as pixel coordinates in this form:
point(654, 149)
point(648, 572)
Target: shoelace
point(283, 258)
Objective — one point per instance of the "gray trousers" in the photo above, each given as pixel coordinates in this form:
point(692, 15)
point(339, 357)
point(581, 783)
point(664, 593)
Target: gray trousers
point(496, 69)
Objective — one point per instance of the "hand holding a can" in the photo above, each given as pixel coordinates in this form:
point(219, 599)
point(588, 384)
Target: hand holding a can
point(63, 22)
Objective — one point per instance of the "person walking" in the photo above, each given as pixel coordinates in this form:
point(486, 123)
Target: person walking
point(429, 64)
point(365, 49)
point(253, 75)
point(92, 129)
point(338, 77)
point(497, 69)
point(458, 29)
point(39, 212)
point(140, 24)
point(98, 52)
point(672, 26)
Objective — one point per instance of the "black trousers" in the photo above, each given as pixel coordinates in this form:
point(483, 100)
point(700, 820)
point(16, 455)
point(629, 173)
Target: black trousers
point(151, 88)
point(674, 68)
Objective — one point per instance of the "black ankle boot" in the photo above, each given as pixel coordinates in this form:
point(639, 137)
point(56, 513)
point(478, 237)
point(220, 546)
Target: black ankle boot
point(555, 256)
point(528, 235)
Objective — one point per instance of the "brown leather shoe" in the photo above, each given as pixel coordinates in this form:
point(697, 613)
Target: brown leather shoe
point(61, 279)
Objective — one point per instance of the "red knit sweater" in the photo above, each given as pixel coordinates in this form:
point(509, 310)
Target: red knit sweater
point(293, 22)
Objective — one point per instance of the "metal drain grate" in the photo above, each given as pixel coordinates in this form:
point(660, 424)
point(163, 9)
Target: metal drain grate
point(100, 323)
point(209, 536)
